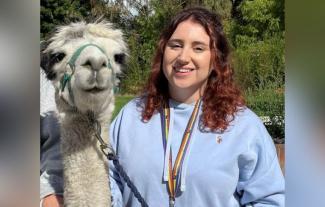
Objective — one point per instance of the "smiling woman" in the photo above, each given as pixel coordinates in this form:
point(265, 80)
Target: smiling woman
point(214, 150)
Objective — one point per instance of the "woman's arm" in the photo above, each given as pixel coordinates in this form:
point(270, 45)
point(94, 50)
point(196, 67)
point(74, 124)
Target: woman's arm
point(261, 182)
point(51, 179)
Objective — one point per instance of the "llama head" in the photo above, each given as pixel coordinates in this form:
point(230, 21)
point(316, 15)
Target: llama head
point(82, 61)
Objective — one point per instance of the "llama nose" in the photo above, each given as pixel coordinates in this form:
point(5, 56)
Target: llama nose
point(96, 63)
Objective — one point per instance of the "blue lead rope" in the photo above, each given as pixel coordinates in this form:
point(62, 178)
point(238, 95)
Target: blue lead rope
point(108, 150)
point(120, 170)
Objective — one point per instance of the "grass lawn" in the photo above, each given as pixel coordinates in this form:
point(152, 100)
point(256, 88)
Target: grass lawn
point(120, 101)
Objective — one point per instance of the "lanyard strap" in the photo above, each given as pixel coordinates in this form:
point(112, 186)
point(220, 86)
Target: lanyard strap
point(173, 171)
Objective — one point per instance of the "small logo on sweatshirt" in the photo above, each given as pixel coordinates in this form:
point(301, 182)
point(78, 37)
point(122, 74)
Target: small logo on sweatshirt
point(219, 139)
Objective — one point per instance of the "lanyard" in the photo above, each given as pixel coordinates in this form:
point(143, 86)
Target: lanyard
point(173, 171)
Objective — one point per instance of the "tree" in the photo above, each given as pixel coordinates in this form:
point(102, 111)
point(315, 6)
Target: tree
point(257, 36)
point(58, 12)
point(256, 20)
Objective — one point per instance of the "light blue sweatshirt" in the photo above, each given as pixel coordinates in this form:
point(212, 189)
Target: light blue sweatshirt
point(236, 168)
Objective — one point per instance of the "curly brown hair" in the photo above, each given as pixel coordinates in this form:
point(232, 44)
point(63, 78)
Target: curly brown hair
point(221, 97)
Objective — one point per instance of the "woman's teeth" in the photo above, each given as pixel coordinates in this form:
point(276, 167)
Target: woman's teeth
point(183, 70)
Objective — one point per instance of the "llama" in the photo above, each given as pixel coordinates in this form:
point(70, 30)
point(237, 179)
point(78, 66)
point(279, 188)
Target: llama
point(82, 61)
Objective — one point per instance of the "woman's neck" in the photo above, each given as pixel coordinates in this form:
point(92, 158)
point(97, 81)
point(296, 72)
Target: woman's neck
point(187, 96)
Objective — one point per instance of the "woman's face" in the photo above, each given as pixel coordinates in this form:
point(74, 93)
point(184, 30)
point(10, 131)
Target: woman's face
point(187, 58)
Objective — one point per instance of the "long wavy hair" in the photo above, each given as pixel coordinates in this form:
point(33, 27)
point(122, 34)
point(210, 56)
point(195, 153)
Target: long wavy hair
point(221, 97)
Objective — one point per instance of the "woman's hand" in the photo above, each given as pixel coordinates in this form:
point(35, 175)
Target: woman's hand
point(53, 201)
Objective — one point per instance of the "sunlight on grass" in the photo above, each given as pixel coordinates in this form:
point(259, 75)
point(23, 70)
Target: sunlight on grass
point(120, 101)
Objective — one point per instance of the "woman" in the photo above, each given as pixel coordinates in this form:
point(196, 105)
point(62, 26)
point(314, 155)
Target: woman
point(189, 140)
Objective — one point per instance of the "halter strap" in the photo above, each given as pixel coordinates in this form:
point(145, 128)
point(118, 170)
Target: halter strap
point(76, 54)
point(66, 78)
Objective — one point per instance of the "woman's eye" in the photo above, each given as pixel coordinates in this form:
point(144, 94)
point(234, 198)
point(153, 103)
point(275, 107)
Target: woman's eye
point(175, 45)
point(198, 49)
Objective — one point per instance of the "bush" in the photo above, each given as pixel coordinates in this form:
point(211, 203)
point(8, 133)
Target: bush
point(269, 105)
point(260, 64)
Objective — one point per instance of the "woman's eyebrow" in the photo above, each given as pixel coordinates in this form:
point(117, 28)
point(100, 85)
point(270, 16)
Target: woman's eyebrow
point(199, 43)
point(193, 43)
point(175, 40)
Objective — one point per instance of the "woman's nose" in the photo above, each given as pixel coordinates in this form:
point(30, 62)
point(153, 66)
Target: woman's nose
point(184, 56)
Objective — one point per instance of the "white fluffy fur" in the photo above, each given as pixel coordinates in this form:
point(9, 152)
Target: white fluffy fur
point(85, 168)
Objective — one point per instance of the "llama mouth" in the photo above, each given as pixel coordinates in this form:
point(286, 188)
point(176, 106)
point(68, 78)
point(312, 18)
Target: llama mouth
point(95, 90)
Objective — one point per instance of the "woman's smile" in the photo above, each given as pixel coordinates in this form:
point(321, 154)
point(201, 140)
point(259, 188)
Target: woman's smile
point(181, 72)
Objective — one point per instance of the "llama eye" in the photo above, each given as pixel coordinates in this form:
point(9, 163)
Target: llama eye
point(104, 65)
point(119, 58)
point(57, 57)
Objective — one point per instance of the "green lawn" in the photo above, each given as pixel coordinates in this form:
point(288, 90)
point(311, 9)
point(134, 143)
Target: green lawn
point(120, 101)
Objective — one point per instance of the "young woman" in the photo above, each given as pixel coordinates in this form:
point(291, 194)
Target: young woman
point(189, 140)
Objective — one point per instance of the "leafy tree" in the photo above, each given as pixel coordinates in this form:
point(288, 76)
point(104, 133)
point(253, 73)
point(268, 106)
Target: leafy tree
point(58, 12)
point(258, 38)
point(256, 20)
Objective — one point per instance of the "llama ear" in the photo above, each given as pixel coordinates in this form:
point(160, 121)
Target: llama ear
point(120, 58)
point(48, 60)
point(47, 66)
point(45, 58)
point(43, 55)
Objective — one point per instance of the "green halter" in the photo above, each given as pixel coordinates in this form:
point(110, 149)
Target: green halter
point(78, 52)
point(66, 79)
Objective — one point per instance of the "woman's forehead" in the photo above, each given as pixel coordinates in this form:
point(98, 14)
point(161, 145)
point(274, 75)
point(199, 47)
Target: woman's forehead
point(191, 30)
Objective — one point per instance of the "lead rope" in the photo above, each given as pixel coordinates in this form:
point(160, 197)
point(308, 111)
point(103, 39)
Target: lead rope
point(108, 151)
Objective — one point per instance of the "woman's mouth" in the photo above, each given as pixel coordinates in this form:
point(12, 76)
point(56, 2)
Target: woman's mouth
point(183, 70)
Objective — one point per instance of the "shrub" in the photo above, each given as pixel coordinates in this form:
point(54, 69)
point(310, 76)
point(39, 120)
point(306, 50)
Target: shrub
point(260, 64)
point(269, 105)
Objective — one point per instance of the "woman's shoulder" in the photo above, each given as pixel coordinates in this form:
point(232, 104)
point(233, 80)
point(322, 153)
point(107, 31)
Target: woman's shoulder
point(247, 122)
point(245, 115)
point(134, 104)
